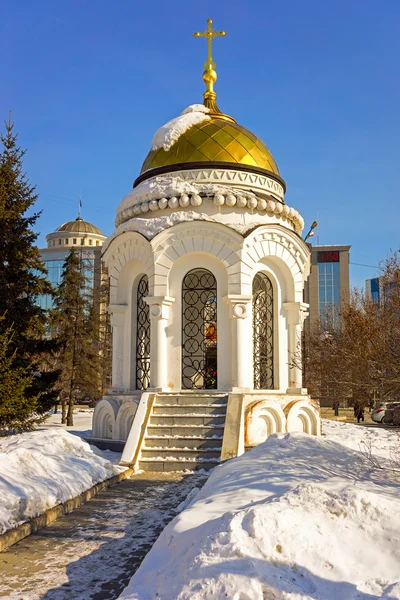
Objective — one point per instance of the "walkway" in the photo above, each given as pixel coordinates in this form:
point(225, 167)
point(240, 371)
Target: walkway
point(92, 553)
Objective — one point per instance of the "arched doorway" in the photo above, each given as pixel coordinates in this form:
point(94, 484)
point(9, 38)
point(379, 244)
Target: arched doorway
point(142, 335)
point(199, 330)
point(263, 332)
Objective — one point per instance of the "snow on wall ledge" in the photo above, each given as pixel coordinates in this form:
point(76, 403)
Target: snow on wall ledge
point(41, 469)
point(149, 228)
point(168, 134)
point(296, 517)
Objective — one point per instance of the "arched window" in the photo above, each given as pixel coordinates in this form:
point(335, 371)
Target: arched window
point(142, 336)
point(263, 332)
point(199, 330)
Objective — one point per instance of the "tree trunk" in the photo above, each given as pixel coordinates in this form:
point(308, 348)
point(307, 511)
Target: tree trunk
point(63, 412)
point(70, 414)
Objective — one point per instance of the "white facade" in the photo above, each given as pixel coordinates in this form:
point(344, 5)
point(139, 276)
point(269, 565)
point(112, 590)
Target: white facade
point(235, 225)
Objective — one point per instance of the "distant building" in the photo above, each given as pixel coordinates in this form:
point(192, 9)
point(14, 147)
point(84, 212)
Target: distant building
point(378, 290)
point(328, 285)
point(373, 289)
point(77, 234)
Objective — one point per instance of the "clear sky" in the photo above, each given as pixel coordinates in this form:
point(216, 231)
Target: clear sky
point(89, 82)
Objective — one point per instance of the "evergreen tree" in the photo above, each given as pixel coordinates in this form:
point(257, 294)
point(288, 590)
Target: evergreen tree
point(22, 275)
point(102, 332)
point(18, 410)
point(75, 324)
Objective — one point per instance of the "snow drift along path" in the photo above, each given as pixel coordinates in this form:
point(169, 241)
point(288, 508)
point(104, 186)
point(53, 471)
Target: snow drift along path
point(296, 518)
point(43, 468)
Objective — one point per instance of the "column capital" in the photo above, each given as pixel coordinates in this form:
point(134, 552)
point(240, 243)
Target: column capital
point(117, 312)
point(117, 309)
point(159, 306)
point(239, 305)
point(297, 311)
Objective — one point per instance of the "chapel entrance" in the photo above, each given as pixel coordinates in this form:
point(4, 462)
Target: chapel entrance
point(142, 335)
point(263, 332)
point(199, 330)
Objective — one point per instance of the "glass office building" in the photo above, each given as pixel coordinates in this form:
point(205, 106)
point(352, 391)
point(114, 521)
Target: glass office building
point(329, 290)
point(373, 289)
point(328, 284)
point(54, 270)
point(54, 274)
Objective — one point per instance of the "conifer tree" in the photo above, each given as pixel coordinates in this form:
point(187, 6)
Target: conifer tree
point(75, 325)
point(102, 332)
point(18, 409)
point(22, 275)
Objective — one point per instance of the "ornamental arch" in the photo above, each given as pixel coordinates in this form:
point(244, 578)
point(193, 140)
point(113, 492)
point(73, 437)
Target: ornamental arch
point(125, 257)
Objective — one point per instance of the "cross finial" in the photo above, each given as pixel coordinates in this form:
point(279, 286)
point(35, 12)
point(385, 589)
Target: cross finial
point(210, 75)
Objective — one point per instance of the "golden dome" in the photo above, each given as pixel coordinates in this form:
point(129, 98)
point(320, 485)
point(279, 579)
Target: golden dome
point(216, 140)
point(80, 226)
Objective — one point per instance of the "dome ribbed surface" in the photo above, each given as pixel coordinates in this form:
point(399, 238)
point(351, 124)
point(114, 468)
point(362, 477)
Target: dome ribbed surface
point(215, 140)
point(80, 226)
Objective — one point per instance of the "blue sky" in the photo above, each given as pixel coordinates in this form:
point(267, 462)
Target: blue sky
point(90, 81)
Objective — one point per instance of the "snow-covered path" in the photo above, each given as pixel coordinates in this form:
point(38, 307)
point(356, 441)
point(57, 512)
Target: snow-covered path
point(92, 553)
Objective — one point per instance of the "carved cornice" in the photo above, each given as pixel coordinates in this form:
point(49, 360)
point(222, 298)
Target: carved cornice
point(231, 198)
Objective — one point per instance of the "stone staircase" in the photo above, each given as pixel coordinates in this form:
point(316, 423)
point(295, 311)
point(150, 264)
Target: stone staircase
point(184, 431)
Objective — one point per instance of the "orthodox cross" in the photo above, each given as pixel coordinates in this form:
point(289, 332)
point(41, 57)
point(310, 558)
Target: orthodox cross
point(209, 34)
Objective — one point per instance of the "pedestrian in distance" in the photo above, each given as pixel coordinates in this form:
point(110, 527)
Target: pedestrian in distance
point(359, 412)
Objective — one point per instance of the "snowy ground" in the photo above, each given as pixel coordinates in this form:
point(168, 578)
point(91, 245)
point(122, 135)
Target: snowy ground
point(297, 518)
point(92, 553)
point(383, 441)
point(43, 468)
point(82, 422)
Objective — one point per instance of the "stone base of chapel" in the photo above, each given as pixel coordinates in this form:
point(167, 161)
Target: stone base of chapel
point(168, 431)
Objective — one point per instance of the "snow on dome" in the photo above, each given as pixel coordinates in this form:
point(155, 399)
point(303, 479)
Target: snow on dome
point(168, 134)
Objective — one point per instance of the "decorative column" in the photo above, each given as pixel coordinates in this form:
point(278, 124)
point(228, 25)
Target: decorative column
point(242, 342)
point(159, 312)
point(117, 312)
point(296, 312)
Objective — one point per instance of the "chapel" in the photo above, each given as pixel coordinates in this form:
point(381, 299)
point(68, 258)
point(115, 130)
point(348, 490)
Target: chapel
point(207, 267)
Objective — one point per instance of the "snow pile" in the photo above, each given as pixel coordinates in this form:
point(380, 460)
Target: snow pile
point(43, 468)
point(168, 134)
point(297, 518)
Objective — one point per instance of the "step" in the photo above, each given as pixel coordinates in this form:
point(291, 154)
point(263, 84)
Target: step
point(191, 400)
point(182, 442)
point(186, 465)
point(179, 453)
point(180, 420)
point(189, 409)
point(209, 431)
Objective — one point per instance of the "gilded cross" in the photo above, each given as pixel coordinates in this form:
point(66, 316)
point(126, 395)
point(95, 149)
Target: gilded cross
point(209, 34)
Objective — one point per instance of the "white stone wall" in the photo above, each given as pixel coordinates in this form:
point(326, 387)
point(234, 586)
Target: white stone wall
point(234, 261)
